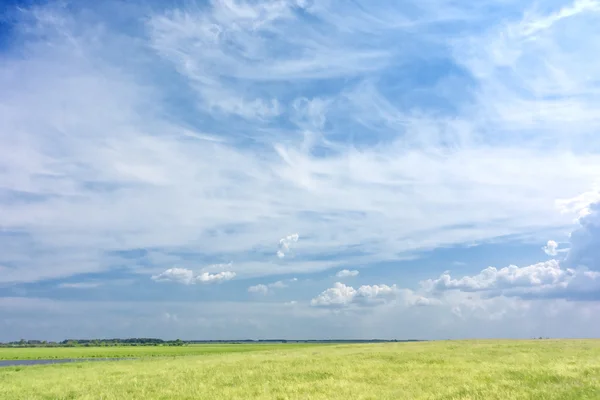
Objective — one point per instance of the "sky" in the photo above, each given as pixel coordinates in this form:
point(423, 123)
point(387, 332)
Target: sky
point(299, 169)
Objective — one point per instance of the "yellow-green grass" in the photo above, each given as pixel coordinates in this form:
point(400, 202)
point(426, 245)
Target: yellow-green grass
point(51, 353)
point(502, 370)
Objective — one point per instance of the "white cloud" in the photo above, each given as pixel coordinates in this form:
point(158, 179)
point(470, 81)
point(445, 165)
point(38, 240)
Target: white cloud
point(260, 288)
point(579, 205)
point(545, 279)
point(254, 109)
point(205, 277)
point(375, 294)
point(187, 277)
point(347, 273)
point(578, 278)
point(278, 285)
point(341, 295)
point(286, 244)
point(534, 25)
point(425, 301)
point(247, 42)
point(545, 273)
point(310, 114)
point(551, 248)
point(585, 240)
point(537, 73)
point(264, 289)
point(178, 275)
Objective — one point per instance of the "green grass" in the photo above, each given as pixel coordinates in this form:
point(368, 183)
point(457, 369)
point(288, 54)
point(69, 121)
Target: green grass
point(502, 370)
point(51, 353)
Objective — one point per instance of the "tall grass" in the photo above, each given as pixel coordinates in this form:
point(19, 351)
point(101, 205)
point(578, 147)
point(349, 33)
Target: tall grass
point(502, 370)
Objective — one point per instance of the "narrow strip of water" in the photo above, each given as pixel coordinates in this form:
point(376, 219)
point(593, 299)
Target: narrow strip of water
point(14, 363)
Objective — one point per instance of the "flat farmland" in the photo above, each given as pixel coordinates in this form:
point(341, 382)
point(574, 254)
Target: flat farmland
point(503, 370)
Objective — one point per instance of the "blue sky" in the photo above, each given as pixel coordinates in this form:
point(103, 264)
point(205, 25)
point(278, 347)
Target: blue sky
point(299, 169)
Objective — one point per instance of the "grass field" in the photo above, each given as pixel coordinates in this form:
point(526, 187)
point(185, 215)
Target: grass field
point(50, 353)
point(500, 370)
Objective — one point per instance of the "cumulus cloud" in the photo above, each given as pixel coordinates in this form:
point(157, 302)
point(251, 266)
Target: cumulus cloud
point(375, 294)
point(206, 277)
point(579, 205)
point(551, 248)
point(585, 240)
point(345, 273)
point(575, 278)
point(286, 244)
point(545, 273)
point(545, 279)
point(187, 277)
point(341, 295)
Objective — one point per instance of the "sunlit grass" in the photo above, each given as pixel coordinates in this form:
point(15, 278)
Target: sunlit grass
point(433, 370)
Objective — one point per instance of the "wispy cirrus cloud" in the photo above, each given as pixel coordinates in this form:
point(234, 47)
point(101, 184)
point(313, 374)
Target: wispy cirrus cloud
point(80, 285)
point(233, 123)
point(536, 78)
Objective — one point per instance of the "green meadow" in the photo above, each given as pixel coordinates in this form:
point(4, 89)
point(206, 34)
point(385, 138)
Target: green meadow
point(503, 370)
point(50, 353)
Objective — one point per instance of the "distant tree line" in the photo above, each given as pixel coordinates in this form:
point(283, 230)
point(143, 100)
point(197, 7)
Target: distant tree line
point(178, 342)
point(95, 343)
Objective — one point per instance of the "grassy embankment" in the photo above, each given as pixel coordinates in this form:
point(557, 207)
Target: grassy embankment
point(502, 370)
